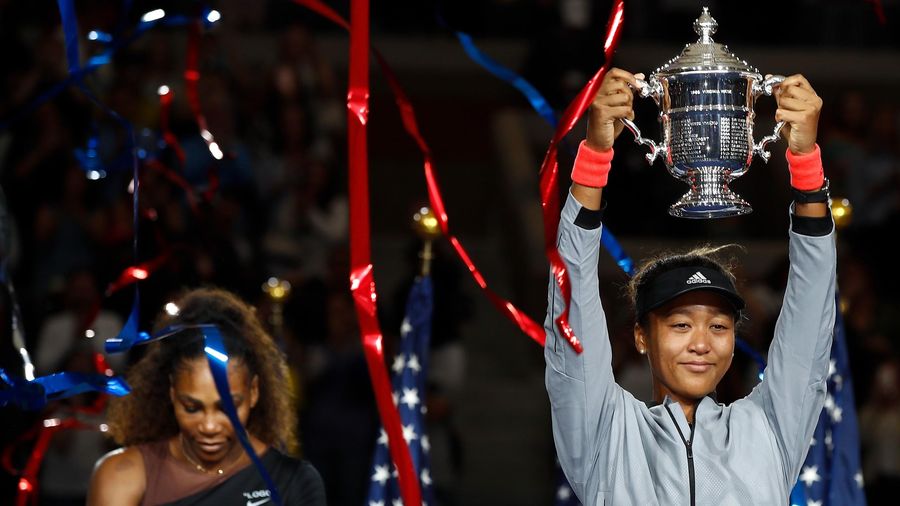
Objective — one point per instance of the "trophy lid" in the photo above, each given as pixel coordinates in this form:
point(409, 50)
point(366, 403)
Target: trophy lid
point(705, 54)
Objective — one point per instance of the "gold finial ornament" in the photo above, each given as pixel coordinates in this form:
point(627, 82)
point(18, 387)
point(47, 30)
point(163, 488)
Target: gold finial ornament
point(277, 289)
point(842, 212)
point(426, 224)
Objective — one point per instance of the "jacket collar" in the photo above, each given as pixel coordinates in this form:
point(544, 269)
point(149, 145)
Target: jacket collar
point(703, 409)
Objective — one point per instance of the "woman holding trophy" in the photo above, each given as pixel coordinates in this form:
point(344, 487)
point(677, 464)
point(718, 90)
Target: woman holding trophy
point(688, 448)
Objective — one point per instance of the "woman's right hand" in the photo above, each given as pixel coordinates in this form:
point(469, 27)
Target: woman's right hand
point(612, 102)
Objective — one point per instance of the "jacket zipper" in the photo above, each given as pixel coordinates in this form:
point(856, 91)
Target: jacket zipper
point(688, 445)
point(690, 455)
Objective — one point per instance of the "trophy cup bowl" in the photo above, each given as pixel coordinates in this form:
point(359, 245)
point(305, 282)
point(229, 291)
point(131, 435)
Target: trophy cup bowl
point(706, 98)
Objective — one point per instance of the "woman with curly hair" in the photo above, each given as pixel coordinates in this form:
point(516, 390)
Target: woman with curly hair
point(179, 447)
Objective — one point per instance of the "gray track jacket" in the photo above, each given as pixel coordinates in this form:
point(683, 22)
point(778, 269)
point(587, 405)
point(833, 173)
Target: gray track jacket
point(615, 450)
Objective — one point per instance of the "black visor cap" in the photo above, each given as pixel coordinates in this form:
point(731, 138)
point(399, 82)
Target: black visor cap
point(681, 280)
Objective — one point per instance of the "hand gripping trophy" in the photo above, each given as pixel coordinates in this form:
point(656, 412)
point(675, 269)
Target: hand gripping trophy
point(705, 98)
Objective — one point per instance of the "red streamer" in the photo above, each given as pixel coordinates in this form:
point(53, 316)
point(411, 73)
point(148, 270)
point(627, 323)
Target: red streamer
point(28, 482)
point(191, 80)
point(549, 170)
point(165, 104)
point(408, 115)
point(526, 324)
point(879, 11)
point(176, 178)
point(362, 283)
point(137, 273)
point(192, 77)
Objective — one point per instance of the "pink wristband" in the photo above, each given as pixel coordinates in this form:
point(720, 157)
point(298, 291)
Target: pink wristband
point(591, 167)
point(806, 170)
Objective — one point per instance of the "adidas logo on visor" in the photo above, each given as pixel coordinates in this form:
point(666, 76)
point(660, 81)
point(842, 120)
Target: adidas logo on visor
point(696, 278)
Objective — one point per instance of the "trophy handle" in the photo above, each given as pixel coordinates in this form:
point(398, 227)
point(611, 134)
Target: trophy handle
point(760, 147)
point(652, 89)
point(767, 87)
point(655, 150)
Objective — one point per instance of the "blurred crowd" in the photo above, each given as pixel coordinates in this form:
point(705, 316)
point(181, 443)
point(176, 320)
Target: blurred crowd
point(276, 205)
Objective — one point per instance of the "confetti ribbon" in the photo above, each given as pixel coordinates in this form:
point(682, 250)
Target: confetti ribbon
point(878, 6)
point(137, 273)
point(35, 394)
point(191, 81)
point(165, 104)
point(755, 355)
point(542, 107)
point(217, 356)
point(537, 101)
point(410, 124)
point(129, 333)
point(179, 180)
point(70, 29)
point(42, 433)
point(549, 170)
point(362, 282)
point(29, 485)
point(89, 157)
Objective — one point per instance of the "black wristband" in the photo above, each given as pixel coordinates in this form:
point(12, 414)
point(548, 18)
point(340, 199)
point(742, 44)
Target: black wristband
point(813, 226)
point(810, 197)
point(590, 219)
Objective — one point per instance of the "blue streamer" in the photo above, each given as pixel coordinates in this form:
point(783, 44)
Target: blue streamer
point(89, 158)
point(129, 336)
point(537, 101)
point(615, 249)
point(99, 36)
point(70, 29)
point(35, 394)
point(217, 356)
point(542, 107)
point(129, 332)
point(755, 355)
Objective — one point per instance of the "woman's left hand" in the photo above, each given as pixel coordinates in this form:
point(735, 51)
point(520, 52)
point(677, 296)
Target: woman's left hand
point(799, 108)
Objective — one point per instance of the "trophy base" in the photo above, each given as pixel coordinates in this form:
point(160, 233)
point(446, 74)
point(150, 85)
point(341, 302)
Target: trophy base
point(709, 196)
point(696, 206)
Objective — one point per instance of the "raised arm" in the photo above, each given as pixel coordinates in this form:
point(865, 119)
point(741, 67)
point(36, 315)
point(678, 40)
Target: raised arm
point(799, 107)
point(793, 390)
point(614, 101)
point(582, 390)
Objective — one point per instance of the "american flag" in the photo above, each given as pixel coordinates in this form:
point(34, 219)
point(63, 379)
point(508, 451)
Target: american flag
point(832, 475)
point(408, 374)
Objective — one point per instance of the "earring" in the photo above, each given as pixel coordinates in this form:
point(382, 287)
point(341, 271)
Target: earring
point(642, 351)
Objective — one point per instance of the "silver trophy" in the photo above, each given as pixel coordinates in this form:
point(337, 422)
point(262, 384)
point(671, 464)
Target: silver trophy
point(705, 98)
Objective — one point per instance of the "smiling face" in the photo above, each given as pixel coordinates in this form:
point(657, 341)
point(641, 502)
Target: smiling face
point(690, 344)
point(207, 434)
